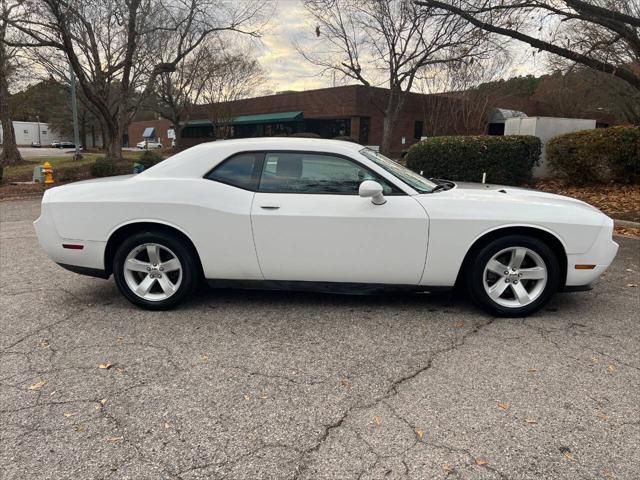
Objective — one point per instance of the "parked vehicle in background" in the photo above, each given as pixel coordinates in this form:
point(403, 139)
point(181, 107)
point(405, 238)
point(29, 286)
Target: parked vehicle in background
point(149, 145)
point(300, 213)
point(35, 145)
point(55, 144)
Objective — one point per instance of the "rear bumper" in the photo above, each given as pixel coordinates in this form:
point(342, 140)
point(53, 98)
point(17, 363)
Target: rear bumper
point(91, 256)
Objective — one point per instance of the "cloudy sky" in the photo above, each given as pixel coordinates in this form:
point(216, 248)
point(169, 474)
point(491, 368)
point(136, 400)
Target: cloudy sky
point(287, 70)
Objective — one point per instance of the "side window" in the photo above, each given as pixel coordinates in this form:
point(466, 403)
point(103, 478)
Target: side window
point(240, 171)
point(313, 173)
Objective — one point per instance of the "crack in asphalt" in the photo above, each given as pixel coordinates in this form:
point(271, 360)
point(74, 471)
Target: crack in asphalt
point(390, 392)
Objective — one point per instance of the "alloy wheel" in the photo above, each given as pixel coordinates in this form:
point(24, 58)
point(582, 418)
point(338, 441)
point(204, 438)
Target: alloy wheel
point(515, 277)
point(152, 272)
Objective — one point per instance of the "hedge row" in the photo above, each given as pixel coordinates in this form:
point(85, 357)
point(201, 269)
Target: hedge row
point(596, 156)
point(507, 160)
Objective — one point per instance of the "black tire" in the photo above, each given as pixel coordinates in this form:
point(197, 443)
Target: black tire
point(184, 253)
point(474, 273)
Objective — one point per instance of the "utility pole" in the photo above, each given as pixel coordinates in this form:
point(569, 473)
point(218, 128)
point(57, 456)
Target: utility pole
point(74, 108)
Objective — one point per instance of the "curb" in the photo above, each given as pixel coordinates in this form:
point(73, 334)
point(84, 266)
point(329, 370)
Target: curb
point(626, 223)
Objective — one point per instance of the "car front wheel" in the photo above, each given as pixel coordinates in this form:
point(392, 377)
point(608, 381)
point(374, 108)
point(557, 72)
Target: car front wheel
point(513, 276)
point(154, 270)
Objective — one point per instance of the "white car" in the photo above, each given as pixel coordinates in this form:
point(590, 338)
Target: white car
point(148, 145)
point(320, 214)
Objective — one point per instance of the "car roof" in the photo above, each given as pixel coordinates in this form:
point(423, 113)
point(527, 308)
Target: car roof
point(196, 161)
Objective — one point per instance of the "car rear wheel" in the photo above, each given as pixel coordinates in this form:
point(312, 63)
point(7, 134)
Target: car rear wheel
point(154, 270)
point(513, 276)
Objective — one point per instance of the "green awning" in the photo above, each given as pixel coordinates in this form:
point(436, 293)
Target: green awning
point(197, 122)
point(255, 119)
point(268, 118)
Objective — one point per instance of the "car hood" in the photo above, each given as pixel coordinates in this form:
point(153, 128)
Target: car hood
point(508, 195)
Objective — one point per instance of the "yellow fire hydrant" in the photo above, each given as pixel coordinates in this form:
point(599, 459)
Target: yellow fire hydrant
point(47, 170)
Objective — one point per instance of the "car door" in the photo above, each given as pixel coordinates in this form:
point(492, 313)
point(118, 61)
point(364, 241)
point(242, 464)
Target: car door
point(310, 224)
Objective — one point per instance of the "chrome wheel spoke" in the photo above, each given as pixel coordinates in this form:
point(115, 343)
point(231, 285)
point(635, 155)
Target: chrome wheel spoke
point(497, 289)
point(517, 256)
point(171, 265)
point(137, 265)
point(521, 293)
point(145, 285)
point(497, 267)
point(154, 254)
point(167, 287)
point(534, 273)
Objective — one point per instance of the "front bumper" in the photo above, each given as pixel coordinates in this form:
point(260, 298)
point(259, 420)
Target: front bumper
point(601, 254)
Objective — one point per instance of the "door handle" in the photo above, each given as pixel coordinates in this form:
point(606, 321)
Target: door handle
point(270, 207)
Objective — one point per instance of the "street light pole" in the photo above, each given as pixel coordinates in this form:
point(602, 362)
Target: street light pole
point(39, 139)
point(74, 108)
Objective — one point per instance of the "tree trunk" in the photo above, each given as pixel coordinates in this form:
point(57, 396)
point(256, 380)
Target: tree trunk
point(10, 154)
point(391, 114)
point(113, 143)
point(83, 132)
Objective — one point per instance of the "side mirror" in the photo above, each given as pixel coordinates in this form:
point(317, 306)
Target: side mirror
point(373, 190)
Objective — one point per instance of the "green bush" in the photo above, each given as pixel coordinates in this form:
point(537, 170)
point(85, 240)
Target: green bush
point(596, 156)
point(506, 160)
point(70, 174)
point(149, 158)
point(103, 167)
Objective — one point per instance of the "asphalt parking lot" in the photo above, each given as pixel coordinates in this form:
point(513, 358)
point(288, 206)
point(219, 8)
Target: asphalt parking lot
point(251, 385)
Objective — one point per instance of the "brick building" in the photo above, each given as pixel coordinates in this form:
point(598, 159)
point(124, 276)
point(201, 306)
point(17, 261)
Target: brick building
point(352, 111)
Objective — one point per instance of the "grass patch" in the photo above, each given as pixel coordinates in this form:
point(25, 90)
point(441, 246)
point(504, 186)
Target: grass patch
point(61, 164)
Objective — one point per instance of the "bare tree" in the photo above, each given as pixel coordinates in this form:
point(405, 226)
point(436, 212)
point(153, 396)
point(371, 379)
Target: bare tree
point(456, 105)
point(8, 62)
point(231, 76)
point(118, 48)
point(601, 34)
point(388, 42)
point(177, 93)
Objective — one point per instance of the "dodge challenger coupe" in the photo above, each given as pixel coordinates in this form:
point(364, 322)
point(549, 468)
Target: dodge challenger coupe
point(299, 213)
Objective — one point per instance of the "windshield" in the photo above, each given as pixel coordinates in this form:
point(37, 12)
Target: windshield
point(411, 178)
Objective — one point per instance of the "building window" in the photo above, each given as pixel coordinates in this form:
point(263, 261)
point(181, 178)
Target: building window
point(418, 127)
point(26, 132)
point(197, 131)
point(363, 136)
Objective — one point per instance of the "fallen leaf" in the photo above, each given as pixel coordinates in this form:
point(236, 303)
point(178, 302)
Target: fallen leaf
point(504, 406)
point(45, 343)
point(532, 370)
point(603, 416)
point(568, 456)
point(611, 368)
point(448, 468)
point(70, 414)
point(105, 366)
point(80, 428)
point(247, 397)
point(38, 385)
point(481, 461)
point(345, 383)
point(420, 434)
point(377, 420)
point(119, 339)
point(530, 421)
point(263, 396)
point(632, 285)
point(119, 369)
point(630, 270)
point(115, 439)
point(458, 324)
point(167, 425)
point(103, 402)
